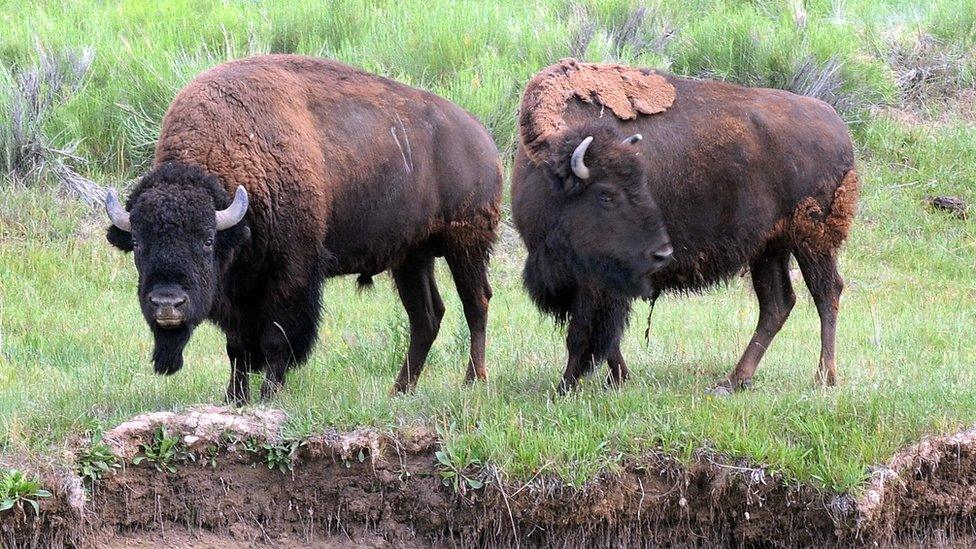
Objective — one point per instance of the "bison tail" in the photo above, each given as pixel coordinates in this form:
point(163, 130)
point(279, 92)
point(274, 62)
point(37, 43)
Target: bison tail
point(817, 232)
point(842, 210)
point(364, 282)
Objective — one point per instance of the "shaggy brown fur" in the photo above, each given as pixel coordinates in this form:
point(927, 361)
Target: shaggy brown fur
point(825, 234)
point(348, 173)
point(626, 91)
point(741, 178)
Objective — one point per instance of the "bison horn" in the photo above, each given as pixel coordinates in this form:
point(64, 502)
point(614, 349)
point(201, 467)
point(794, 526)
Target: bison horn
point(118, 215)
point(576, 162)
point(633, 139)
point(234, 213)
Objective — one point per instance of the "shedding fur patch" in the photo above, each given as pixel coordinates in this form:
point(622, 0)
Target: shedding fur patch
point(627, 92)
point(825, 234)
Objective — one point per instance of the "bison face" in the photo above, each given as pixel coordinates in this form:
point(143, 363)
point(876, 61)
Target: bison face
point(183, 231)
point(607, 219)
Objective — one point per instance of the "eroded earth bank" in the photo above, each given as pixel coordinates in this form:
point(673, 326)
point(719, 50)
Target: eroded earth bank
point(221, 478)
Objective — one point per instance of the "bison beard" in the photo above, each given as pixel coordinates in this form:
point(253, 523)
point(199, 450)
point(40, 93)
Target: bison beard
point(168, 347)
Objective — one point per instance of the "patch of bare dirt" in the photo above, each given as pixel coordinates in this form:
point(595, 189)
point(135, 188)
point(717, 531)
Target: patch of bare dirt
point(378, 489)
point(176, 536)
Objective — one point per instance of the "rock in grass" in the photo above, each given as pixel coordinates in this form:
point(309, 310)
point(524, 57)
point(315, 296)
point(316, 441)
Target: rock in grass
point(954, 205)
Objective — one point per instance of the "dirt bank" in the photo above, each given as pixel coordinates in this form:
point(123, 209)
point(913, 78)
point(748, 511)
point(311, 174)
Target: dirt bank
point(368, 488)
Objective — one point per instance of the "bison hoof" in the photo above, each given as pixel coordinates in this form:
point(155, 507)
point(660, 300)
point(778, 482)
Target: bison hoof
point(479, 374)
point(400, 388)
point(616, 383)
point(729, 387)
point(269, 389)
point(720, 390)
point(236, 399)
point(821, 380)
point(565, 387)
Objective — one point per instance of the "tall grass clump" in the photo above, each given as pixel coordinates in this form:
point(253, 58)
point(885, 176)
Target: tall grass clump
point(930, 72)
point(29, 99)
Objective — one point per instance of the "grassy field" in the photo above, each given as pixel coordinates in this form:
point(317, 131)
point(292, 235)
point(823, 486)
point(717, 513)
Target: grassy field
point(74, 351)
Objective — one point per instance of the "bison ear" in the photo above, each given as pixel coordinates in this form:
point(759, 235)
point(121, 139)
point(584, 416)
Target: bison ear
point(571, 185)
point(119, 238)
point(234, 236)
point(567, 185)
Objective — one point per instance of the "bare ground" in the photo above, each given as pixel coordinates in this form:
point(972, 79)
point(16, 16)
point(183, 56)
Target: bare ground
point(374, 489)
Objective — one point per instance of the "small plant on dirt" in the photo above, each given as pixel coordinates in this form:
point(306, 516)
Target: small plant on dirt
point(96, 461)
point(164, 452)
point(16, 489)
point(252, 445)
point(461, 474)
point(282, 456)
point(210, 456)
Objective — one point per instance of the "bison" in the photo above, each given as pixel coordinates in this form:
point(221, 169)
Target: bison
point(628, 183)
point(332, 171)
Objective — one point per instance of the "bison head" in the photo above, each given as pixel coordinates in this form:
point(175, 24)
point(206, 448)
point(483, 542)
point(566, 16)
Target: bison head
point(183, 230)
point(605, 225)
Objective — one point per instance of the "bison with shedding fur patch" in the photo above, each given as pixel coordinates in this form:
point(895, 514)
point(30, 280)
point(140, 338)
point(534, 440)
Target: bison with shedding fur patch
point(333, 171)
point(629, 183)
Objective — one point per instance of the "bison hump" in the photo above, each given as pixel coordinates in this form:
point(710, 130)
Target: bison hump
point(627, 92)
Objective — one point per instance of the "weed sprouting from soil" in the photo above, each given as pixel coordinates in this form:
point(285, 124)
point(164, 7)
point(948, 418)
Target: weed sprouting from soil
point(460, 474)
point(96, 460)
point(282, 455)
point(16, 489)
point(164, 451)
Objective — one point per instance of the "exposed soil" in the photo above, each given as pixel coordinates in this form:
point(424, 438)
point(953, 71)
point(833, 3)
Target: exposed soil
point(371, 489)
point(240, 536)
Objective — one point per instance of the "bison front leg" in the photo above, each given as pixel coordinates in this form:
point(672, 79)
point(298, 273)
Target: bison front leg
point(771, 280)
point(595, 330)
point(288, 336)
point(580, 359)
point(238, 390)
point(618, 373)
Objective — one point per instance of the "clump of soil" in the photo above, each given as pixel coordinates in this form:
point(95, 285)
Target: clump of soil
point(376, 489)
point(957, 207)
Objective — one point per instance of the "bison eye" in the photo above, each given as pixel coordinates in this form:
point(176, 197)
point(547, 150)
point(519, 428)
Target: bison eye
point(135, 243)
point(606, 198)
point(209, 242)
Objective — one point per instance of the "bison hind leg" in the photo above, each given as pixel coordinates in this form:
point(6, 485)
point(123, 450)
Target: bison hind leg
point(469, 267)
point(825, 284)
point(771, 281)
point(415, 283)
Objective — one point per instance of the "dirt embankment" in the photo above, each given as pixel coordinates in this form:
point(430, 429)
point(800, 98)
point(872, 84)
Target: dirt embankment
point(366, 488)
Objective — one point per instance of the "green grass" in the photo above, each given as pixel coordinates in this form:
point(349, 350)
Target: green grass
point(74, 351)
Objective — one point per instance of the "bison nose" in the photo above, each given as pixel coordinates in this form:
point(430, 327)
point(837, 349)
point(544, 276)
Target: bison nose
point(168, 303)
point(660, 256)
point(168, 299)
